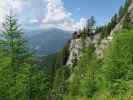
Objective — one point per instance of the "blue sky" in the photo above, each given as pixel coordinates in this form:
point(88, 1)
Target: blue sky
point(101, 9)
point(64, 14)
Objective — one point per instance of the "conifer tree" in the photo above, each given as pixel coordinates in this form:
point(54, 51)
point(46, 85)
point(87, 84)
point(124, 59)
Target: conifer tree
point(90, 25)
point(21, 79)
point(13, 44)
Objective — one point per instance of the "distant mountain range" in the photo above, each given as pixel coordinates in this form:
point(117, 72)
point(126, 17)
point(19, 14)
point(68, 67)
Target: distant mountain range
point(45, 42)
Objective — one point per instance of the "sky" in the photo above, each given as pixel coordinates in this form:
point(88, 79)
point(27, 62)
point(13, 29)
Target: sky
point(69, 15)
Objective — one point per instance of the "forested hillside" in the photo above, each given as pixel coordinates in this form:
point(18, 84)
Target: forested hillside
point(96, 64)
point(95, 77)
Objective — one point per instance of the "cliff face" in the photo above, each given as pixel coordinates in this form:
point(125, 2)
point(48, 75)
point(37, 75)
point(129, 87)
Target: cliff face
point(75, 50)
point(76, 46)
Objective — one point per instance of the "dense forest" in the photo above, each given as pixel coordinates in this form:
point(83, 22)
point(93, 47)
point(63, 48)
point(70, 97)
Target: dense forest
point(24, 76)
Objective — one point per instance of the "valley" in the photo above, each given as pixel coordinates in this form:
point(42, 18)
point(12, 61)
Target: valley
point(49, 53)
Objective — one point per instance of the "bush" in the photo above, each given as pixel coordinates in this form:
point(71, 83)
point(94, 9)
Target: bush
point(118, 63)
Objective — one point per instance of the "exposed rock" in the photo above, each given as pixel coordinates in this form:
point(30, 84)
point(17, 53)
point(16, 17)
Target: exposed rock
point(76, 46)
point(103, 45)
point(96, 39)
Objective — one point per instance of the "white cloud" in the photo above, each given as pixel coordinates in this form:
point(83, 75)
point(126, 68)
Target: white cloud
point(3, 9)
point(33, 21)
point(81, 24)
point(7, 6)
point(58, 16)
point(31, 11)
point(18, 5)
point(56, 11)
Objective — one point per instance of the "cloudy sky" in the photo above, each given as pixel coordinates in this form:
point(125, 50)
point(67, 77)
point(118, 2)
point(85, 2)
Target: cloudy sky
point(64, 14)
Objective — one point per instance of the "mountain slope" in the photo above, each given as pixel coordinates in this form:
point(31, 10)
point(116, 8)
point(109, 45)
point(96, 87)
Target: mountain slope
point(45, 42)
point(101, 71)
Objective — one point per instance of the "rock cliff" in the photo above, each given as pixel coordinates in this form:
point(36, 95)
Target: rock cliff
point(76, 45)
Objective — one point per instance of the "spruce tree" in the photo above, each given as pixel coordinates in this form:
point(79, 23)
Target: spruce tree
point(14, 47)
point(14, 41)
point(90, 24)
point(21, 77)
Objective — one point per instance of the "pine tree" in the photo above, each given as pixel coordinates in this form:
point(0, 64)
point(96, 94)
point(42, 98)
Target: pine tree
point(14, 46)
point(90, 25)
point(21, 78)
point(114, 21)
point(14, 41)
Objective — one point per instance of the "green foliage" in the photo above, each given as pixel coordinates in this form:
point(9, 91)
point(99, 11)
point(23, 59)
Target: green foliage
point(118, 87)
point(59, 83)
point(20, 77)
point(83, 81)
point(127, 24)
point(106, 29)
point(90, 23)
point(83, 37)
point(59, 74)
point(118, 62)
point(109, 79)
point(119, 56)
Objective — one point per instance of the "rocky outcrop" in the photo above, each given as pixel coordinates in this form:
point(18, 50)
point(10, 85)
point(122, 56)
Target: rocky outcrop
point(102, 46)
point(76, 46)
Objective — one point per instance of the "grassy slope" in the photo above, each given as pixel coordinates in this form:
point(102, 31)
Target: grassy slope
point(113, 76)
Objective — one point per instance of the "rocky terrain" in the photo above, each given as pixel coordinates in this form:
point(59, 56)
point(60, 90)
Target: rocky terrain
point(76, 45)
